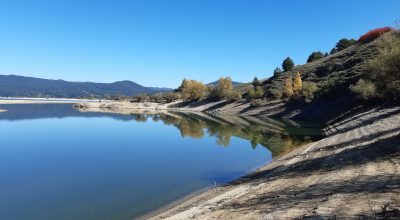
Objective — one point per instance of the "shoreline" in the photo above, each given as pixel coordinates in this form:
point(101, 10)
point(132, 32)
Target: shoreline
point(209, 191)
point(199, 192)
point(352, 173)
point(242, 107)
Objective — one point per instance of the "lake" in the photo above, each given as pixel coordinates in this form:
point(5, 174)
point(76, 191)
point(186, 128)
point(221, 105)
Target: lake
point(59, 163)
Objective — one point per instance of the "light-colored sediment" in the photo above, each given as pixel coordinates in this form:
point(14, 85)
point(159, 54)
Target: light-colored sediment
point(239, 107)
point(124, 107)
point(352, 174)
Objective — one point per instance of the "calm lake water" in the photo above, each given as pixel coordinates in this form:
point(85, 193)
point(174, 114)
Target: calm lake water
point(59, 163)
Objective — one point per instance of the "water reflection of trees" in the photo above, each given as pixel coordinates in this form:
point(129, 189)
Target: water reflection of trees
point(272, 134)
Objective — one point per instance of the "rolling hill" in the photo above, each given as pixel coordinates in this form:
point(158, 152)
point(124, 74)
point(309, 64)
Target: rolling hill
point(21, 86)
point(215, 83)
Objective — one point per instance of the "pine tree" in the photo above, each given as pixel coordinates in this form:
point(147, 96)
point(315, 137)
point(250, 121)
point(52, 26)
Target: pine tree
point(277, 72)
point(345, 43)
point(256, 83)
point(314, 56)
point(287, 64)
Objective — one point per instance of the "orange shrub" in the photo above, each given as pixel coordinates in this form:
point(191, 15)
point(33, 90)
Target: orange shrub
point(373, 34)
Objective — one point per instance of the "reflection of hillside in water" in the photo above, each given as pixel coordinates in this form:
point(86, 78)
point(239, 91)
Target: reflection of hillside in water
point(278, 136)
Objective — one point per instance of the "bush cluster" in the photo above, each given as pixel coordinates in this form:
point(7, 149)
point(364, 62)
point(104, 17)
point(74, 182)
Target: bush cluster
point(381, 77)
point(364, 89)
point(257, 91)
point(164, 97)
point(373, 34)
point(224, 90)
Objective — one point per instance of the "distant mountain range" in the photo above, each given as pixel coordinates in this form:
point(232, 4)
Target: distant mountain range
point(215, 83)
point(21, 86)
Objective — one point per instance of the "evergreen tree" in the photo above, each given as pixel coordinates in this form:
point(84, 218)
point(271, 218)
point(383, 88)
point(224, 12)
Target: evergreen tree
point(315, 56)
point(256, 83)
point(287, 64)
point(277, 72)
point(345, 43)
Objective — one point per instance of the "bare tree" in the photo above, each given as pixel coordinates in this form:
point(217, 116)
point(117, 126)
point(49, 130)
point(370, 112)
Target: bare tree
point(397, 23)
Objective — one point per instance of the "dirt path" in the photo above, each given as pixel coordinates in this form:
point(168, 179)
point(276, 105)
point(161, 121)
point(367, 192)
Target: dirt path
point(354, 173)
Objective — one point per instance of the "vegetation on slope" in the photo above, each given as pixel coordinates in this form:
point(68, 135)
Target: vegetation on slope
point(381, 77)
point(356, 70)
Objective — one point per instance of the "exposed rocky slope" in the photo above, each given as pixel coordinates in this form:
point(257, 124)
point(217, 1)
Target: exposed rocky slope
point(352, 174)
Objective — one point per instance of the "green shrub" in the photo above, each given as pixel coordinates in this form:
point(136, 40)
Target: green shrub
point(257, 92)
point(308, 91)
point(233, 95)
point(364, 89)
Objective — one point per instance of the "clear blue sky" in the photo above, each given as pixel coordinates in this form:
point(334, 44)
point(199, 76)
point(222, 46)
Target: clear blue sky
point(158, 43)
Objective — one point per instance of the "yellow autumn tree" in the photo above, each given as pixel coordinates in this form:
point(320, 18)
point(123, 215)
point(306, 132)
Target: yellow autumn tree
point(192, 89)
point(297, 83)
point(225, 84)
point(223, 90)
point(289, 87)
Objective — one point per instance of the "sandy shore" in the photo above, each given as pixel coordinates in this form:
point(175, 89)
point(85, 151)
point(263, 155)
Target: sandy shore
point(239, 107)
point(352, 174)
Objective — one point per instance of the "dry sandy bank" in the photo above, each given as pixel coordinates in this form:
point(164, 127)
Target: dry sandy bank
point(239, 107)
point(352, 174)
